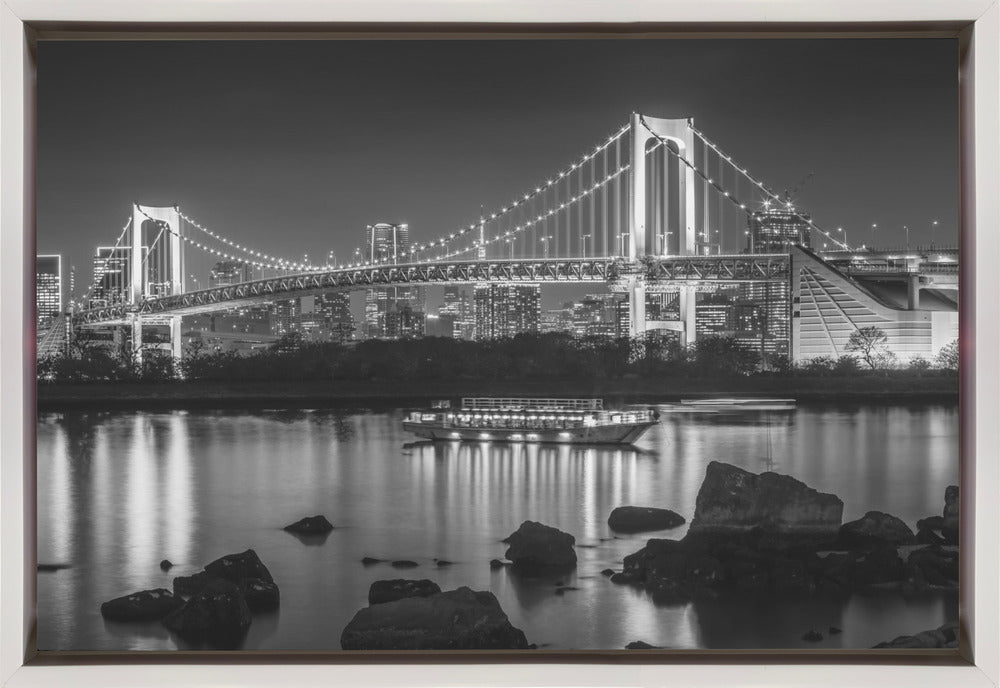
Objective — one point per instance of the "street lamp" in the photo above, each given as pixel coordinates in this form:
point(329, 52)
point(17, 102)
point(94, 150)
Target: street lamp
point(907, 237)
point(585, 237)
point(874, 227)
point(545, 245)
point(622, 240)
point(933, 225)
point(511, 243)
point(841, 230)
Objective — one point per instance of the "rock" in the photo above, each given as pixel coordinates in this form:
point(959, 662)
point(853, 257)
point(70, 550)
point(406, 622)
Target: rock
point(640, 645)
point(635, 519)
point(608, 572)
point(459, 619)
point(404, 564)
point(537, 546)
point(236, 568)
point(146, 605)
point(875, 528)
point(166, 565)
point(443, 562)
point(261, 596)
point(191, 585)
point(944, 636)
point(926, 536)
point(663, 564)
point(812, 636)
point(932, 566)
point(563, 589)
point(931, 523)
point(310, 525)
point(47, 568)
point(833, 630)
point(371, 561)
point(732, 500)
point(949, 525)
point(383, 591)
point(861, 569)
point(218, 616)
point(496, 564)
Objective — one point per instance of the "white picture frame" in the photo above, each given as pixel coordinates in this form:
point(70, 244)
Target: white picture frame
point(980, 237)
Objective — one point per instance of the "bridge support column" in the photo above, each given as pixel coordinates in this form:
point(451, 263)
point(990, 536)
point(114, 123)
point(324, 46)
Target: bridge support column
point(176, 341)
point(637, 308)
point(137, 340)
point(913, 292)
point(687, 305)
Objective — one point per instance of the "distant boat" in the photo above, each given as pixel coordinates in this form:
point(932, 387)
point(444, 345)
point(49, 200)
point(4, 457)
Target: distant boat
point(736, 404)
point(527, 419)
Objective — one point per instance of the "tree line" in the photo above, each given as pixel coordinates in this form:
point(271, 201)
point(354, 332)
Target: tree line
point(523, 357)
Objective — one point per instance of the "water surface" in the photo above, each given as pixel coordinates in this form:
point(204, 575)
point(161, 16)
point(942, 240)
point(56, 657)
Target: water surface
point(118, 492)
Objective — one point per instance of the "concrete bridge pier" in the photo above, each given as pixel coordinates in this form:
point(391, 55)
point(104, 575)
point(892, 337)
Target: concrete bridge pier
point(913, 292)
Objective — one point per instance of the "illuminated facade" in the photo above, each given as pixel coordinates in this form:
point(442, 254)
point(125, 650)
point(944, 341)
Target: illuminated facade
point(774, 230)
point(48, 289)
point(387, 243)
point(506, 310)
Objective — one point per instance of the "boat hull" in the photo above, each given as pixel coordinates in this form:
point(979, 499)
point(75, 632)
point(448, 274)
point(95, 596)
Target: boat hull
point(601, 434)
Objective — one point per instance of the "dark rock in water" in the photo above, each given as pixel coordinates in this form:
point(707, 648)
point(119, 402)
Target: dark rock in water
point(383, 591)
point(833, 630)
point(443, 562)
point(932, 566)
point(191, 585)
point(218, 616)
point(371, 561)
point(944, 636)
point(166, 565)
point(310, 525)
point(663, 562)
point(812, 636)
point(261, 596)
point(236, 568)
point(949, 525)
point(562, 589)
point(608, 572)
point(640, 645)
point(623, 578)
point(459, 619)
point(45, 568)
point(496, 564)
point(926, 536)
point(537, 546)
point(404, 564)
point(146, 605)
point(864, 568)
point(732, 500)
point(635, 519)
point(874, 529)
point(931, 523)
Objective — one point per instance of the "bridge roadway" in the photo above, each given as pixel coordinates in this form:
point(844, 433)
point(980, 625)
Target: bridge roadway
point(657, 271)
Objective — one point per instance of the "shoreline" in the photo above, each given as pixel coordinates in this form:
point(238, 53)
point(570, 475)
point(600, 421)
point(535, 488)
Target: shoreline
point(382, 393)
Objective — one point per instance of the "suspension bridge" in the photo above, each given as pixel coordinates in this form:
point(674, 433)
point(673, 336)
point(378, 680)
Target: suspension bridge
point(653, 207)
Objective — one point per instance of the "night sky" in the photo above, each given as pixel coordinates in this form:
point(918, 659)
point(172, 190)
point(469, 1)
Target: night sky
point(294, 147)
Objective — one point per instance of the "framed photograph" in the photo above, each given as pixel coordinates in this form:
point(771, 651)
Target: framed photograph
point(591, 352)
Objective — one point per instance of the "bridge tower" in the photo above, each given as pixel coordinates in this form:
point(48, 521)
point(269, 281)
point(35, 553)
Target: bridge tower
point(677, 132)
point(145, 229)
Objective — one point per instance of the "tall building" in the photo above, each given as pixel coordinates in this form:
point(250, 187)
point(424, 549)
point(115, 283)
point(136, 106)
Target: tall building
point(387, 243)
point(403, 322)
point(773, 230)
point(112, 274)
point(597, 316)
point(48, 290)
point(506, 310)
point(457, 310)
point(285, 316)
point(767, 307)
point(335, 307)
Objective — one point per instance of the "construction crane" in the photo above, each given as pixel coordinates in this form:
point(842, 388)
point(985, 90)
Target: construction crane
point(799, 185)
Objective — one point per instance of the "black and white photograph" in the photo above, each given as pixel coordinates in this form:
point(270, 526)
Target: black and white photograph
point(542, 344)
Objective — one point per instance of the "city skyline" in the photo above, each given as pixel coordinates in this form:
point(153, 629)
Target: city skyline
point(277, 160)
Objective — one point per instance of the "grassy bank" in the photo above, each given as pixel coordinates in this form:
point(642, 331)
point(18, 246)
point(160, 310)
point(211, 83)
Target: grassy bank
point(200, 394)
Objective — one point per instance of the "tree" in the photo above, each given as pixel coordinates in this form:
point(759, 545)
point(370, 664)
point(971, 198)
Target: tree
point(947, 357)
point(872, 344)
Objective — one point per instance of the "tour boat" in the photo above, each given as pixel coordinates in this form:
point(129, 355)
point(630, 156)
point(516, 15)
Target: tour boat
point(526, 419)
point(738, 404)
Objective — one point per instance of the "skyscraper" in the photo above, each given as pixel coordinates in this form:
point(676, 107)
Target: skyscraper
point(48, 289)
point(389, 244)
point(506, 310)
point(335, 307)
point(112, 274)
point(772, 230)
point(458, 312)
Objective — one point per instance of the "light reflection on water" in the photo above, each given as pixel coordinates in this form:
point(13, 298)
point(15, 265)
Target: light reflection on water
point(118, 492)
